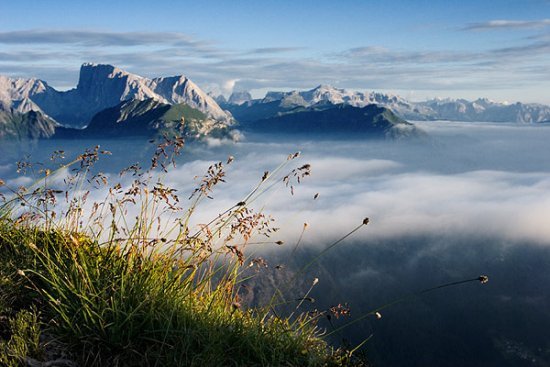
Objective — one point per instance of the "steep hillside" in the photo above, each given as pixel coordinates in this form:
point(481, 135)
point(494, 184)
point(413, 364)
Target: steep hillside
point(437, 109)
point(100, 87)
point(369, 121)
point(18, 126)
point(150, 117)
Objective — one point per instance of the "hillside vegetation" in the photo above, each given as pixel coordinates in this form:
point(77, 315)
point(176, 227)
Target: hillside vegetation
point(111, 284)
point(149, 118)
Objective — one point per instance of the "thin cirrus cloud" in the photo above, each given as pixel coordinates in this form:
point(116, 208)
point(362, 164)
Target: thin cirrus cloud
point(541, 47)
point(56, 54)
point(507, 24)
point(90, 38)
point(274, 50)
point(385, 55)
point(97, 38)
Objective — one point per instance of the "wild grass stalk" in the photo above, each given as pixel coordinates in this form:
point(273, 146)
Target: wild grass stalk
point(377, 311)
point(129, 281)
point(118, 285)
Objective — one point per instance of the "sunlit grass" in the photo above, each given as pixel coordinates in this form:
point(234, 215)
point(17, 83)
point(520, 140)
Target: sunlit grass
point(128, 282)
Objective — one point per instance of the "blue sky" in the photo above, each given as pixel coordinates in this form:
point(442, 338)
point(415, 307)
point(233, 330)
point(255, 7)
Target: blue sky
point(419, 49)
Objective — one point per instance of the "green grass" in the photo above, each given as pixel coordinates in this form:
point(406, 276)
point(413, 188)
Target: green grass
point(175, 112)
point(24, 338)
point(109, 289)
point(127, 307)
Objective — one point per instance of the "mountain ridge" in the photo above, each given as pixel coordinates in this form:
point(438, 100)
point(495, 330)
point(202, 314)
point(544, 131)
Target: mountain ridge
point(30, 125)
point(482, 109)
point(149, 118)
point(101, 86)
point(370, 121)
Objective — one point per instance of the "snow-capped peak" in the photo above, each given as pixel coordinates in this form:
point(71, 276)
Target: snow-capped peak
point(101, 86)
point(174, 89)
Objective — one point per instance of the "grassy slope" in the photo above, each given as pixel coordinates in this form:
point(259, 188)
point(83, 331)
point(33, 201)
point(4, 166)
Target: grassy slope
point(134, 299)
point(115, 307)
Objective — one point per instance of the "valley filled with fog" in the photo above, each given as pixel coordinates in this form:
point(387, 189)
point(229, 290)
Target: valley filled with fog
point(471, 199)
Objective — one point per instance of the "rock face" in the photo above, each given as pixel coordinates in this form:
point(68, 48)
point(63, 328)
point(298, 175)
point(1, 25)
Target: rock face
point(220, 99)
point(239, 98)
point(327, 93)
point(484, 110)
point(16, 93)
point(437, 109)
point(100, 87)
point(149, 118)
point(17, 126)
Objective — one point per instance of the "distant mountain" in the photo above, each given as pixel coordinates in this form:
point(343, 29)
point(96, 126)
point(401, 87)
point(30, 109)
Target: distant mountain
point(220, 99)
point(150, 118)
point(100, 87)
point(17, 126)
point(325, 118)
point(239, 98)
point(257, 110)
point(279, 102)
point(457, 110)
point(327, 93)
point(483, 110)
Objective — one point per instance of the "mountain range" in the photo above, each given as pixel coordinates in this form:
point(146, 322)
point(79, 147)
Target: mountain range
point(370, 121)
point(100, 87)
point(29, 125)
point(109, 103)
point(149, 118)
point(482, 110)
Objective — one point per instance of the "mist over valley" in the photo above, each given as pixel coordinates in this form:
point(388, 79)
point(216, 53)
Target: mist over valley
point(328, 184)
point(471, 200)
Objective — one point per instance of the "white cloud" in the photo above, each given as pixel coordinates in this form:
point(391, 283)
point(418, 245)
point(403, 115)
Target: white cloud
point(481, 180)
point(505, 72)
point(507, 24)
point(406, 190)
point(229, 85)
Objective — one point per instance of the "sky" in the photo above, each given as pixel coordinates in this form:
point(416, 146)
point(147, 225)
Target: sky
point(417, 49)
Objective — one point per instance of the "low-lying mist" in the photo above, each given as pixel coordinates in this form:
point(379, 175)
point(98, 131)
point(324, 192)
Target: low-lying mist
point(473, 199)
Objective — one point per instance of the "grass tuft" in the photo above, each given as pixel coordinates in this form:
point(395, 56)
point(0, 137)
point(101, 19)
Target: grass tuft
point(128, 281)
point(23, 338)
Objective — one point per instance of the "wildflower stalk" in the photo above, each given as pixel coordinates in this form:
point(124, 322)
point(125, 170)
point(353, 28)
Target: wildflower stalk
point(332, 245)
point(376, 312)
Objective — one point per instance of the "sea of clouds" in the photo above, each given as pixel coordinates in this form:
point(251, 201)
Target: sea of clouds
point(472, 199)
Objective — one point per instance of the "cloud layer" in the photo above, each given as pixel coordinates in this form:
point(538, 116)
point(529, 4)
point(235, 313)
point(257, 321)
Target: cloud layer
point(97, 38)
point(475, 200)
point(475, 179)
point(497, 72)
point(507, 24)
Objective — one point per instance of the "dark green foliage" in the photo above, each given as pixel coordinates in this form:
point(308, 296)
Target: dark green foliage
point(126, 308)
point(20, 339)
